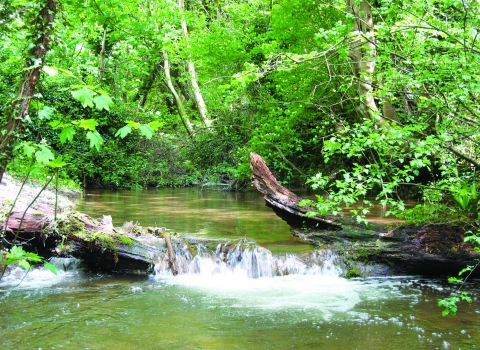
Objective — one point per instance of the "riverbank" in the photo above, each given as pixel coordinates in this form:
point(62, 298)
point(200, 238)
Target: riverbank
point(31, 197)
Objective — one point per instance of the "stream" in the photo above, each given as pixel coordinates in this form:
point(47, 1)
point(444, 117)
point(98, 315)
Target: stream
point(226, 300)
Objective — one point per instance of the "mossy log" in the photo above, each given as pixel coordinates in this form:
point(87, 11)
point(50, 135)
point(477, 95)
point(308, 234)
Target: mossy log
point(429, 249)
point(96, 242)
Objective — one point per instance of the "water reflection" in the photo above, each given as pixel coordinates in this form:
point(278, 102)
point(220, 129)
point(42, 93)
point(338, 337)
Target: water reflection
point(211, 214)
point(78, 310)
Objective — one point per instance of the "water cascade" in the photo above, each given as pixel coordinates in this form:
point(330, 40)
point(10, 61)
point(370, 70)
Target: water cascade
point(248, 260)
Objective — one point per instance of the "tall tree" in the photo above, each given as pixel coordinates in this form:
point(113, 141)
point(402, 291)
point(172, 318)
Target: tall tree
point(201, 106)
point(40, 30)
point(363, 48)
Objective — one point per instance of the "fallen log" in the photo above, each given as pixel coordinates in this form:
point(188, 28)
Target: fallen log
point(429, 249)
point(283, 201)
point(77, 235)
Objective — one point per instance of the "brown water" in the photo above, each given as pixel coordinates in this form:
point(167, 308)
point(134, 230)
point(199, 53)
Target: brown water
point(212, 214)
point(79, 310)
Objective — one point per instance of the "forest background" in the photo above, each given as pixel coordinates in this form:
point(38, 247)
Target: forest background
point(361, 99)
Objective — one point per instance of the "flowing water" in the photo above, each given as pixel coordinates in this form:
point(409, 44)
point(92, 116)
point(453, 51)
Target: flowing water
point(279, 294)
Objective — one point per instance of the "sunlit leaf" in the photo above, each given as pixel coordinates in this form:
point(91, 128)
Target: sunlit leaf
point(50, 267)
point(67, 134)
point(57, 163)
point(50, 71)
point(25, 264)
point(44, 155)
point(102, 102)
point(87, 124)
point(56, 124)
point(33, 257)
point(28, 149)
point(132, 124)
point(45, 113)
point(122, 132)
point(155, 125)
point(95, 139)
point(147, 131)
point(84, 96)
point(15, 253)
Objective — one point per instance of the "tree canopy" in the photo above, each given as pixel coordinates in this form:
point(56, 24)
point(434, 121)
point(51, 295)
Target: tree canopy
point(361, 99)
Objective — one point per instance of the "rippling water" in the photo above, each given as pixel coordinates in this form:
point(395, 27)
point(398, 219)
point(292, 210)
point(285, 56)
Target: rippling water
point(221, 307)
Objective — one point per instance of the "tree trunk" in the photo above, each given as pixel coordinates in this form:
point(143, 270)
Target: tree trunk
point(283, 201)
point(181, 110)
point(147, 85)
point(102, 55)
point(363, 50)
point(18, 113)
point(202, 108)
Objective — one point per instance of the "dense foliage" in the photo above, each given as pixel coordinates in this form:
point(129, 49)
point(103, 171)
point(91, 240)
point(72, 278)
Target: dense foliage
point(360, 99)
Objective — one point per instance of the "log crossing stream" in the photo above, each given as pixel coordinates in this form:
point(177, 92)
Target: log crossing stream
point(256, 287)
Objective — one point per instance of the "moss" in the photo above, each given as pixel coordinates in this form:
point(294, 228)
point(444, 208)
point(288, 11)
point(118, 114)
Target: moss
point(366, 255)
point(80, 226)
point(125, 240)
point(352, 273)
point(71, 225)
point(107, 242)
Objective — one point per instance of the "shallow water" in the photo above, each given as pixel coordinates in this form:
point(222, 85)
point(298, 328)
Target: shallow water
point(211, 214)
point(221, 308)
point(227, 312)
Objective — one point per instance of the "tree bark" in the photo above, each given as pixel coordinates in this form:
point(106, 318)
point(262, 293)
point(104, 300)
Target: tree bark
point(363, 50)
point(18, 113)
point(201, 107)
point(102, 55)
point(95, 242)
point(171, 255)
point(181, 110)
point(283, 201)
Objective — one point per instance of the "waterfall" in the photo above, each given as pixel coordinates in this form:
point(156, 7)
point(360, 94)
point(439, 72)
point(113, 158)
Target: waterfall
point(248, 260)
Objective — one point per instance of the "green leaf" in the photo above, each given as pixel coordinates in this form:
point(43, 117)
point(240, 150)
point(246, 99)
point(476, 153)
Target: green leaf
point(33, 257)
point(57, 163)
point(28, 149)
point(95, 139)
point(16, 253)
point(147, 131)
point(67, 134)
point(50, 267)
point(45, 113)
point(102, 102)
point(123, 131)
point(24, 264)
point(466, 269)
point(57, 124)
point(132, 124)
point(87, 124)
point(85, 96)
point(44, 155)
point(454, 280)
point(155, 125)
